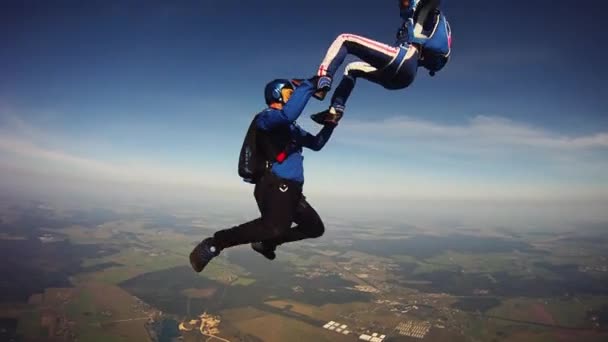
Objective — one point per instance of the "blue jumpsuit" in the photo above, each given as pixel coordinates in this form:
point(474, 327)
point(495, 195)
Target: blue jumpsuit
point(279, 192)
point(392, 67)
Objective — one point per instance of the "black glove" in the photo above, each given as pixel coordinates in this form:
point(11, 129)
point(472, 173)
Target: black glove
point(329, 117)
point(297, 81)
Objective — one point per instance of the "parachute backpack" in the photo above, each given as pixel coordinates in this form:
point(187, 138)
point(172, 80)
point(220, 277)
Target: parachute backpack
point(252, 163)
point(432, 31)
point(258, 152)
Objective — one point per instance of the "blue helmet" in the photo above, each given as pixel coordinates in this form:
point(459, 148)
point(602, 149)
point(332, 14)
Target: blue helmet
point(412, 11)
point(272, 91)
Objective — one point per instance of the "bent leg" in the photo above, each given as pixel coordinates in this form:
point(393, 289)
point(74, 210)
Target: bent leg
point(347, 84)
point(398, 74)
point(372, 52)
point(278, 202)
point(309, 225)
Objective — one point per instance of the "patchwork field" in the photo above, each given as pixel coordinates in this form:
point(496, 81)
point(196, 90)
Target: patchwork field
point(114, 277)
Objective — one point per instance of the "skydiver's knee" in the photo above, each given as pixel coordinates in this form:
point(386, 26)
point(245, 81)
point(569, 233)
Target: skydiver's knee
point(353, 71)
point(341, 38)
point(358, 69)
point(317, 229)
point(277, 230)
point(348, 69)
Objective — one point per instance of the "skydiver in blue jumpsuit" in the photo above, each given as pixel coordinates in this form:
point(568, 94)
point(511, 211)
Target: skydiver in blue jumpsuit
point(278, 192)
point(423, 39)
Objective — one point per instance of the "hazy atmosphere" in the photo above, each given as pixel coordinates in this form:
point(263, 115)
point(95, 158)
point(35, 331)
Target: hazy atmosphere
point(121, 95)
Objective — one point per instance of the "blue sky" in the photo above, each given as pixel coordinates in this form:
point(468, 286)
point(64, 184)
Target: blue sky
point(161, 92)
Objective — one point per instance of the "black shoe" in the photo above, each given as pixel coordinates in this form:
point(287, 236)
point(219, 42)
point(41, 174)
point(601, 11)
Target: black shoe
point(329, 116)
point(266, 251)
point(202, 254)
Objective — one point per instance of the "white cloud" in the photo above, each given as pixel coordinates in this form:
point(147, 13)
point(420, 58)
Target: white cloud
point(483, 158)
point(25, 146)
point(478, 131)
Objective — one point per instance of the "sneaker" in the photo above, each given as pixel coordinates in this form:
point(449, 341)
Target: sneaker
point(324, 82)
point(266, 251)
point(202, 254)
point(328, 116)
point(323, 87)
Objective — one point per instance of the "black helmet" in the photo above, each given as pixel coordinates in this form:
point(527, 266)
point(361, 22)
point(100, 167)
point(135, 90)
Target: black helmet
point(272, 91)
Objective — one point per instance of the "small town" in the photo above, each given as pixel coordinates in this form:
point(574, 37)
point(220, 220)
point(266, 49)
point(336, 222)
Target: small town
point(207, 324)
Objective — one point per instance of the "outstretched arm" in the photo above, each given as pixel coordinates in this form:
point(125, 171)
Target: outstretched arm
point(316, 142)
point(291, 110)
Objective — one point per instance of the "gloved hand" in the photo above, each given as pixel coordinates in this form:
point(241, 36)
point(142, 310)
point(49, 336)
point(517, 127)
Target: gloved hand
point(298, 81)
point(329, 116)
point(321, 83)
point(314, 80)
